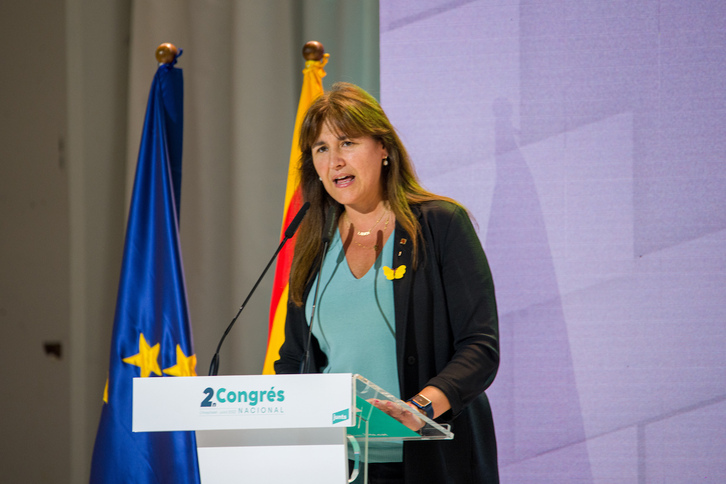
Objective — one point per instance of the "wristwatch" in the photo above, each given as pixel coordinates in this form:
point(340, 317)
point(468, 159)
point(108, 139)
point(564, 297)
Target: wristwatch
point(423, 405)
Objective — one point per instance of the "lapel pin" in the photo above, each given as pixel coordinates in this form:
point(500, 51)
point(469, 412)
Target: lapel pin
point(396, 273)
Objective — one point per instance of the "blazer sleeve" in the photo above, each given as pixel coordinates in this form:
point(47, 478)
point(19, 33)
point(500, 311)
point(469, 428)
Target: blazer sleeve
point(292, 350)
point(470, 306)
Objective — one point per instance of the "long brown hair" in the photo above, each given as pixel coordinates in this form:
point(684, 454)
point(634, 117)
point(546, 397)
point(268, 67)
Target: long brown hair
point(349, 110)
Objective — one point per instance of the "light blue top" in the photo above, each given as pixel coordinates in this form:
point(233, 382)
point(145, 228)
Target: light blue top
point(355, 326)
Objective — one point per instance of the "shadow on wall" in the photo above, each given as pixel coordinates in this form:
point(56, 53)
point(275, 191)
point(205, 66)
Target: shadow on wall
point(538, 408)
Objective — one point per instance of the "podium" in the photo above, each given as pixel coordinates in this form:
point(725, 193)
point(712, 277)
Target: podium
point(275, 428)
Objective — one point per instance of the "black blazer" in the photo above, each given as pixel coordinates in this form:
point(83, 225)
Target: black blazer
point(446, 336)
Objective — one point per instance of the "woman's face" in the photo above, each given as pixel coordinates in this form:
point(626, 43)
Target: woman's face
point(350, 168)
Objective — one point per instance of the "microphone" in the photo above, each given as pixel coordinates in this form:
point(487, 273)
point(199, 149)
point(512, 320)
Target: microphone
point(292, 228)
point(328, 230)
point(329, 227)
point(289, 232)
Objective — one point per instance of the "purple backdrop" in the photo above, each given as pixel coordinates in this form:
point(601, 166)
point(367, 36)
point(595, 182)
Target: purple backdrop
point(588, 139)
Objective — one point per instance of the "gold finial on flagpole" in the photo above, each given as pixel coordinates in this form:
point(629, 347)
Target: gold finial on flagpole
point(166, 53)
point(313, 50)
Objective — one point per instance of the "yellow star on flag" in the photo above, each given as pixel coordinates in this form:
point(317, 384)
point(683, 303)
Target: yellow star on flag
point(147, 358)
point(185, 365)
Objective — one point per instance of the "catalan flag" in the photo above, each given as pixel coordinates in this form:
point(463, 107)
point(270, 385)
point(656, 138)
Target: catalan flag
point(151, 331)
point(312, 87)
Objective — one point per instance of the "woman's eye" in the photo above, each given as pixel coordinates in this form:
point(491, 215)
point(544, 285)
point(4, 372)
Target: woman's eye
point(347, 143)
point(321, 149)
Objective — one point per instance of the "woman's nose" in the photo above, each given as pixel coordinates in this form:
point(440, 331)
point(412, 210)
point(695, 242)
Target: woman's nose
point(336, 158)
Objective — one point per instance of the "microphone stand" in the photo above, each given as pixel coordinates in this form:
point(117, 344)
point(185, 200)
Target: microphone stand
point(291, 229)
point(305, 363)
point(327, 236)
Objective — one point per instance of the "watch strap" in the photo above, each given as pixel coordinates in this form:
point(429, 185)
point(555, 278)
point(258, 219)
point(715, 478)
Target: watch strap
point(423, 404)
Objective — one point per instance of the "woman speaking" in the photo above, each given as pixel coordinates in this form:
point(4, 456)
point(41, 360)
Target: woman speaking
point(406, 296)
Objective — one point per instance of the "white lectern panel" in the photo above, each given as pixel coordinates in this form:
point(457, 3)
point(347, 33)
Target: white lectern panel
point(270, 429)
point(243, 402)
point(299, 464)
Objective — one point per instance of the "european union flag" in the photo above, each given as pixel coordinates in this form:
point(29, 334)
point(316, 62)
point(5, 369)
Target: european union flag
point(151, 333)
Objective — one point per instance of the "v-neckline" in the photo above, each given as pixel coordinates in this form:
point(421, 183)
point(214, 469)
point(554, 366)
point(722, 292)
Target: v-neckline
point(376, 262)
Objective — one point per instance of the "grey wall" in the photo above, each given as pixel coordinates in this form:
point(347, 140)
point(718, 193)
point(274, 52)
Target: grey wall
point(62, 135)
point(34, 242)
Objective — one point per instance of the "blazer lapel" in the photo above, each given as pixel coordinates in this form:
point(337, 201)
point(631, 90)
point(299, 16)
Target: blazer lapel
point(402, 255)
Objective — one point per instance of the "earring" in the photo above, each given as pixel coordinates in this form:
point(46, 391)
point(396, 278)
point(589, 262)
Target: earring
point(385, 161)
point(320, 178)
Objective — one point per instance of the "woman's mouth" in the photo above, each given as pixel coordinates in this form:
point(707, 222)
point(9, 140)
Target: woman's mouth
point(343, 181)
